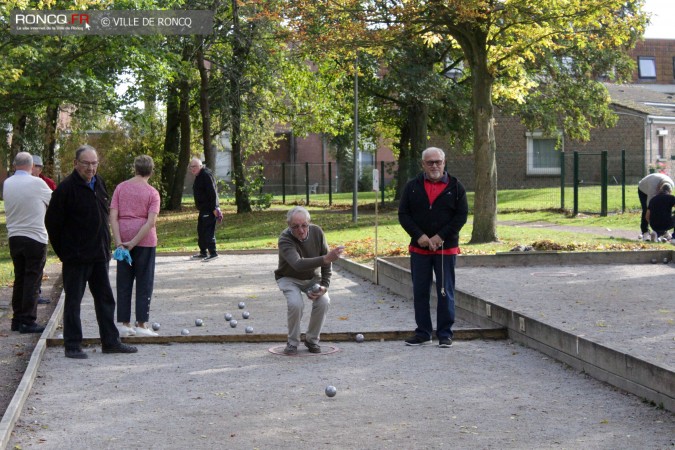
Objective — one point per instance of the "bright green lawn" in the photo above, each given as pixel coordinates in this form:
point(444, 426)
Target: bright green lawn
point(260, 229)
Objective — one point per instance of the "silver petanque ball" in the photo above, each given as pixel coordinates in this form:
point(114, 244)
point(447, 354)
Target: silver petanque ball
point(228, 317)
point(199, 322)
point(249, 329)
point(246, 314)
point(654, 261)
point(331, 391)
point(242, 305)
point(156, 326)
point(185, 332)
point(233, 323)
point(359, 338)
point(316, 288)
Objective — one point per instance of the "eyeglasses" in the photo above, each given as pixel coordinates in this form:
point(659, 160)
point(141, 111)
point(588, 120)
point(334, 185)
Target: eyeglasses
point(304, 226)
point(88, 163)
point(192, 166)
point(438, 162)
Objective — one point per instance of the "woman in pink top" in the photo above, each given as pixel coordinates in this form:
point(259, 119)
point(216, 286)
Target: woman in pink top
point(133, 214)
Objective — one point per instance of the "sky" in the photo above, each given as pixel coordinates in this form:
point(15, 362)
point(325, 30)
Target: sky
point(663, 16)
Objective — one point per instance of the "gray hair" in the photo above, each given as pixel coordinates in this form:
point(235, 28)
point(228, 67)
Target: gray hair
point(297, 210)
point(23, 159)
point(82, 149)
point(143, 165)
point(433, 150)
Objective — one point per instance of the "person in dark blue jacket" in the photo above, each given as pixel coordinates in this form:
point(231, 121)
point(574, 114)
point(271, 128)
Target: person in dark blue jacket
point(660, 214)
point(433, 209)
point(78, 228)
point(206, 200)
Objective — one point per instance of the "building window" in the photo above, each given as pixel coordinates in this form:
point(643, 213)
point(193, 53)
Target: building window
point(647, 67)
point(542, 156)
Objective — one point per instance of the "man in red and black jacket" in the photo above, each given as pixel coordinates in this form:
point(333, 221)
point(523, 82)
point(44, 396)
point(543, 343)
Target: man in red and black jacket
point(433, 210)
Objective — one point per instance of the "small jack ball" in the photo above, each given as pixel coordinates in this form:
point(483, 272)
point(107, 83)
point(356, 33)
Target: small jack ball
point(233, 323)
point(359, 338)
point(228, 317)
point(331, 391)
point(185, 332)
point(156, 326)
point(242, 305)
point(199, 322)
point(245, 314)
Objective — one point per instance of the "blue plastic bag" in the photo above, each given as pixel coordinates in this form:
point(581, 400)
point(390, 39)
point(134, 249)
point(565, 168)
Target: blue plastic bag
point(122, 254)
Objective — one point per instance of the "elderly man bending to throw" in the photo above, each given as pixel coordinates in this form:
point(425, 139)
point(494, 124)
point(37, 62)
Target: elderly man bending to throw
point(302, 251)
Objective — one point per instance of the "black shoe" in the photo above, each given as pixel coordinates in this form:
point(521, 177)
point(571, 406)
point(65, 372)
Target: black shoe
point(120, 348)
point(209, 258)
point(313, 348)
point(445, 342)
point(15, 326)
point(199, 256)
point(31, 328)
point(76, 353)
point(417, 340)
point(43, 301)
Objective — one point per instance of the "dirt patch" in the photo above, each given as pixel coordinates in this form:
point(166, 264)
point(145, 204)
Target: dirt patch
point(16, 348)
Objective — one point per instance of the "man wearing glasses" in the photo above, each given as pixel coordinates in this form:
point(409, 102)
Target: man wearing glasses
point(433, 210)
point(206, 199)
point(302, 252)
point(78, 228)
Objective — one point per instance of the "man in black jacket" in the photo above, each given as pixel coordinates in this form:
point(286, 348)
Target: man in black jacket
point(77, 224)
point(206, 199)
point(433, 210)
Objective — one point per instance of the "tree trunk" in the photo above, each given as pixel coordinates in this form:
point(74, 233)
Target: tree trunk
point(209, 150)
point(18, 133)
point(403, 160)
point(171, 143)
point(51, 117)
point(418, 120)
point(184, 155)
point(485, 165)
point(239, 52)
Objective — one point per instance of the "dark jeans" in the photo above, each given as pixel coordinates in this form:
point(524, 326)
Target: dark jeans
point(143, 271)
point(29, 257)
point(644, 225)
point(422, 267)
point(75, 279)
point(206, 232)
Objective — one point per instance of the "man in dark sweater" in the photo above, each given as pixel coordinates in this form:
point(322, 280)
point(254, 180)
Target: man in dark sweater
point(302, 252)
point(78, 228)
point(433, 210)
point(660, 214)
point(206, 199)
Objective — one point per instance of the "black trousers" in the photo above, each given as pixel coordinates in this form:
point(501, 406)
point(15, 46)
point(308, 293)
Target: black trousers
point(29, 257)
point(75, 279)
point(206, 232)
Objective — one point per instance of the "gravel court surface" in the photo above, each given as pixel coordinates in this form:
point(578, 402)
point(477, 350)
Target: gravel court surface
point(478, 394)
point(629, 308)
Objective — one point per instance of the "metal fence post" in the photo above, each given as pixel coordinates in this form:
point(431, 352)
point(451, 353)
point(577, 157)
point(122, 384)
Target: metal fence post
point(307, 183)
point(576, 184)
point(330, 183)
point(562, 179)
point(604, 182)
point(382, 180)
point(283, 183)
point(623, 181)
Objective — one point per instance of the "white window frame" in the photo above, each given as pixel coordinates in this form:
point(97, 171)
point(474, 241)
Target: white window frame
point(531, 137)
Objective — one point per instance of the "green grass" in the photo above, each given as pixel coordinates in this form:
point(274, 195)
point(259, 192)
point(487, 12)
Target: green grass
point(260, 229)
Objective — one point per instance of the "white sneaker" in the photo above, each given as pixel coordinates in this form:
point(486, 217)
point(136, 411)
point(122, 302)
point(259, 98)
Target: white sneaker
point(646, 237)
point(126, 331)
point(145, 332)
point(667, 236)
